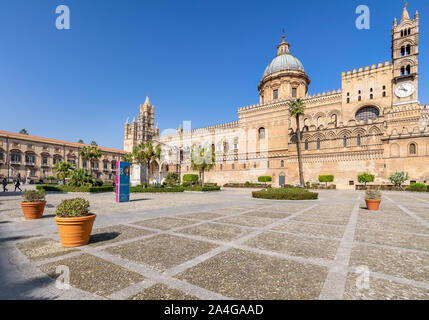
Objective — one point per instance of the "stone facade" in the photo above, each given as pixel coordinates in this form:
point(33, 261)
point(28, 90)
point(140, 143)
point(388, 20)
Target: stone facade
point(374, 123)
point(34, 157)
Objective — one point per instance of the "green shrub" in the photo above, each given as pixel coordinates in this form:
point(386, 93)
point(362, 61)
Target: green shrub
point(77, 207)
point(33, 195)
point(82, 189)
point(245, 185)
point(192, 178)
point(420, 187)
point(140, 189)
point(285, 194)
point(398, 178)
point(372, 194)
point(265, 179)
point(81, 178)
point(172, 179)
point(50, 178)
point(365, 178)
point(203, 188)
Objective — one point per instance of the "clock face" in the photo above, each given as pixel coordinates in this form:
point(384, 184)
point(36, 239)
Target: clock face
point(404, 90)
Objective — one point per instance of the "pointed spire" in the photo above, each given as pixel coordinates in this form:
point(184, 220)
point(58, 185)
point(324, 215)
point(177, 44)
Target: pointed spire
point(127, 120)
point(147, 102)
point(417, 15)
point(395, 22)
point(405, 14)
point(134, 119)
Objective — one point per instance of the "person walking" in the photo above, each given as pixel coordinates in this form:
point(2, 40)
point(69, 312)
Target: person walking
point(4, 182)
point(17, 184)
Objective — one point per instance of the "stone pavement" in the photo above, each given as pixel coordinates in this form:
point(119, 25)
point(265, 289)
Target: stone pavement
point(223, 245)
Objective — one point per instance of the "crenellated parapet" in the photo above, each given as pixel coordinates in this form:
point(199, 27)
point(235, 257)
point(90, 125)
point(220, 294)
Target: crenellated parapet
point(366, 71)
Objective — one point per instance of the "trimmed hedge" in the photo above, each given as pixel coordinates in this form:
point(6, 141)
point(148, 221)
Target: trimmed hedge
point(75, 189)
point(141, 189)
point(285, 194)
point(245, 185)
point(418, 187)
point(265, 179)
point(203, 189)
point(190, 178)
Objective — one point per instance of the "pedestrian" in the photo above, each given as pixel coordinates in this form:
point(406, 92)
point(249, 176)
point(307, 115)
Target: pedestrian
point(17, 184)
point(4, 182)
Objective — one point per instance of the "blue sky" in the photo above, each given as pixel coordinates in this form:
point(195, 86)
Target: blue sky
point(197, 60)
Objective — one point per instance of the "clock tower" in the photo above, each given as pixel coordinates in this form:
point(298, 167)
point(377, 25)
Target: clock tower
point(405, 52)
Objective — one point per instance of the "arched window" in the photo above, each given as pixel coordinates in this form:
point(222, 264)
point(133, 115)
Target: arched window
point(367, 113)
point(408, 69)
point(402, 33)
point(402, 51)
point(318, 144)
point(334, 119)
point(402, 71)
point(306, 145)
point(282, 164)
point(358, 140)
point(345, 142)
point(261, 134)
point(413, 149)
point(408, 50)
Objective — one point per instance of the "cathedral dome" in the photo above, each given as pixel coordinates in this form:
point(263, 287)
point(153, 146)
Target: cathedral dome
point(284, 60)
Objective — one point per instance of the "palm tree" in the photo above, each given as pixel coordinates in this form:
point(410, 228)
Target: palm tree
point(24, 131)
point(91, 153)
point(63, 170)
point(80, 141)
point(128, 157)
point(296, 109)
point(202, 159)
point(93, 143)
point(144, 154)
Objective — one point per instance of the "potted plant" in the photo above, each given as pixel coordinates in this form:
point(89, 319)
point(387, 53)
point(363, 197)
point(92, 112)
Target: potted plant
point(33, 204)
point(74, 222)
point(372, 199)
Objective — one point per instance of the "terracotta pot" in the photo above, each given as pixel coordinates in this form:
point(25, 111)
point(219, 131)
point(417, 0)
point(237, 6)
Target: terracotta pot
point(372, 204)
point(75, 231)
point(33, 210)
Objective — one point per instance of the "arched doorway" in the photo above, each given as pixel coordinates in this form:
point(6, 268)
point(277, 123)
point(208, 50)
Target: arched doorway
point(282, 179)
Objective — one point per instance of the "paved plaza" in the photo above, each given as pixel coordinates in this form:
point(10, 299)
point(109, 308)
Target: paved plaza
point(223, 245)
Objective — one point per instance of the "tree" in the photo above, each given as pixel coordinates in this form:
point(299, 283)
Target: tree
point(326, 178)
point(365, 178)
point(128, 157)
point(144, 154)
point(172, 179)
point(190, 179)
point(93, 143)
point(80, 141)
point(82, 178)
point(296, 109)
point(265, 179)
point(202, 159)
point(24, 131)
point(91, 153)
point(398, 178)
point(63, 170)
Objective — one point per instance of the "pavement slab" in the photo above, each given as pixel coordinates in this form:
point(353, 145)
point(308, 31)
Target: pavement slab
point(244, 275)
point(161, 252)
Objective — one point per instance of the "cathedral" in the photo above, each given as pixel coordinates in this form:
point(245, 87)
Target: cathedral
point(374, 123)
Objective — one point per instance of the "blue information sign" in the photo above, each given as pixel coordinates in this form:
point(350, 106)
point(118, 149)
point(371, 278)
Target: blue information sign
point(123, 171)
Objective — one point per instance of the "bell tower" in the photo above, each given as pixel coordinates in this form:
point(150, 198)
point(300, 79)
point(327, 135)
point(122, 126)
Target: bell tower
point(405, 52)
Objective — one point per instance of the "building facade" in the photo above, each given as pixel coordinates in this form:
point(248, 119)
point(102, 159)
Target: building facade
point(374, 123)
point(34, 157)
